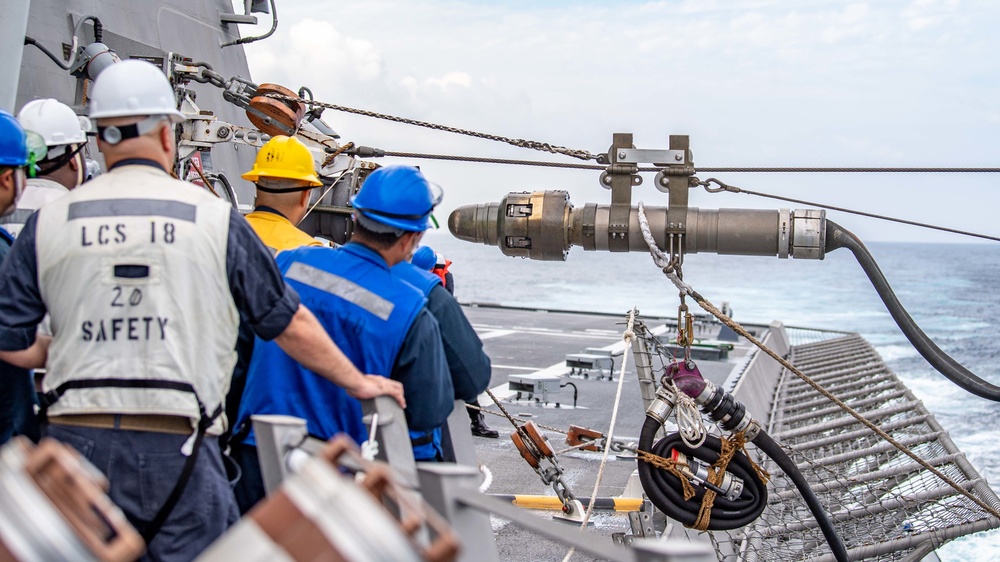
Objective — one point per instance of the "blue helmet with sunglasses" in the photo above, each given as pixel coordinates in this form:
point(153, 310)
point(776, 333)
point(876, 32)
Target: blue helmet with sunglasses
point(397, 198)
point(19, 148)
point(13, 142)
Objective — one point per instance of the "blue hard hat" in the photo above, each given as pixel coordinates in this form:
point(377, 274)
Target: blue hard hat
point(399, 197)
point(424, 258)
point(13, 142)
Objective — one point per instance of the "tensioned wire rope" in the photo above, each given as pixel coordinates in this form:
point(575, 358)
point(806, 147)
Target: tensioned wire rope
point(586, 155)
point(684, 288)
point(661, 261)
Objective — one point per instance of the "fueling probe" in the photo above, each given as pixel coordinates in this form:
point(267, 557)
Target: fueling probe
point(544, 225)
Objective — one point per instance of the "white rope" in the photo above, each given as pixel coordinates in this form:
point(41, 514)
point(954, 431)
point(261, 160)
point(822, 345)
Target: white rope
point(628, 336)
point(332, 185)
point(690, 423)
point(487, 478)
point(659, 258)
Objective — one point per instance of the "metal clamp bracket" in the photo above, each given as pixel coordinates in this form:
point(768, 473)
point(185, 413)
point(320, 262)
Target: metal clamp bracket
point(656, 157)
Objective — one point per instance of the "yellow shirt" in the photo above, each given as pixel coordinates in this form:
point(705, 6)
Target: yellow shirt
point(278, 233)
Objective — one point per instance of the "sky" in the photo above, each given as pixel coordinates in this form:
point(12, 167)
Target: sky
point(754, 83)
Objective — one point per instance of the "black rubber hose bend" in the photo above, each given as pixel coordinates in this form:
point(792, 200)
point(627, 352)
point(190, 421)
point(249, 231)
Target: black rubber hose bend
point(665, 491)
point(62, 64)
point(770, 447)
point(839, 237)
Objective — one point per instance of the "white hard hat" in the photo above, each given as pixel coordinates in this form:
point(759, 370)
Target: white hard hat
point(55, 122)
point(133, 87)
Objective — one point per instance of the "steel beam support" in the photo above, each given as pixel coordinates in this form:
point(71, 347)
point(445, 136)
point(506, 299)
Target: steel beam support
point(443, 486)
point(460, 432)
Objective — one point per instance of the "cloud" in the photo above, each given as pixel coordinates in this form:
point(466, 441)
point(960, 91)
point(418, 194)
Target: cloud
point(317, 52)
point(754, 82)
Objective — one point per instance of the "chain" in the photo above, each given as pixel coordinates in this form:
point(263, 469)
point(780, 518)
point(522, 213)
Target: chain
point(502, 409)
point(521, 143)
point(515, 162)
point(618, 446)
point(551, 475)
point(739, 329)
point(487, 160)
point(561, 489)
point(209, 76)
point(514, 421)
point(854, 170)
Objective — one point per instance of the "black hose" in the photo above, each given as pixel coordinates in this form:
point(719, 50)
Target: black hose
point(665, 491)
point(771, 448)
point(839, 237)
point(30, 41)
point(228, 187)
point(246, 40)
point(574, 391)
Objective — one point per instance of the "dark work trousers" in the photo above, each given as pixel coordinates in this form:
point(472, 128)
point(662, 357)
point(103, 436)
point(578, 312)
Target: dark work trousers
point(250, 488)
point(142, 467)
point(17, 403)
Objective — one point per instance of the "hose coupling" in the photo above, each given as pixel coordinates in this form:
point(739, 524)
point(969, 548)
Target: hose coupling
point(662, 405)
point(697, 472)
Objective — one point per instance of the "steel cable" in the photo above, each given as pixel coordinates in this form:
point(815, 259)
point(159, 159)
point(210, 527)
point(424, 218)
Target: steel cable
point(733, 189)
point(739, 329)
point(521, 143)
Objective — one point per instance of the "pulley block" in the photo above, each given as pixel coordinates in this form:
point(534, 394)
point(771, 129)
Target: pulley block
point(579, 435)
point(532, 445)
point(273, 116)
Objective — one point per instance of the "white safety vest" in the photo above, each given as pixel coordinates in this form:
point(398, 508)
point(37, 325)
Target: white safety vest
point(132, 268)
point(37, 193)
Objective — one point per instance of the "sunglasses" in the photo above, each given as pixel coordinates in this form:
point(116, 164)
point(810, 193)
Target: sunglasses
point(36, 152)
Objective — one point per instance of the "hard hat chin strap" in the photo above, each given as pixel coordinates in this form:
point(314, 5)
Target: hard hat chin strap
point(52, 164)
point(374, 226)
point(115, 134)
point(284, 189)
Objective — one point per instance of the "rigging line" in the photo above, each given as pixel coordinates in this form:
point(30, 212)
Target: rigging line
point(734, 189)
point(569, 165)
point(328, 189)
point(739, 329)
point(628, 336)
point(855, 170)
point(487, 160)
point(492, 413)
point(522, 143)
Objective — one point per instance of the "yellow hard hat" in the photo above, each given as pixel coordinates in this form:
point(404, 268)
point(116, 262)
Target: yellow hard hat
point(284, 158)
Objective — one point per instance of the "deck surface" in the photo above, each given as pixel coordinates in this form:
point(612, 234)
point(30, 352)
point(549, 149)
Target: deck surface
point(529, 341)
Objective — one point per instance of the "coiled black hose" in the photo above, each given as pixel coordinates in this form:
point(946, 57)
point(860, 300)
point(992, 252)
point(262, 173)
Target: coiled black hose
point(839, 237)
point(664, 489)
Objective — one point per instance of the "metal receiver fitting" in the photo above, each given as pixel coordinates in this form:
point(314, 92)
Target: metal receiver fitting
point(697, 472)
point(808, 234)
point(662, 406)
point(724, 409)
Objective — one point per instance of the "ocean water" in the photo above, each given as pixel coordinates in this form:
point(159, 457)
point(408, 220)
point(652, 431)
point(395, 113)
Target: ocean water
point(949, 289)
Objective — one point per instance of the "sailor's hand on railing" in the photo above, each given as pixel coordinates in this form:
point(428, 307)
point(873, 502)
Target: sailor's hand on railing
point(377, 385)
